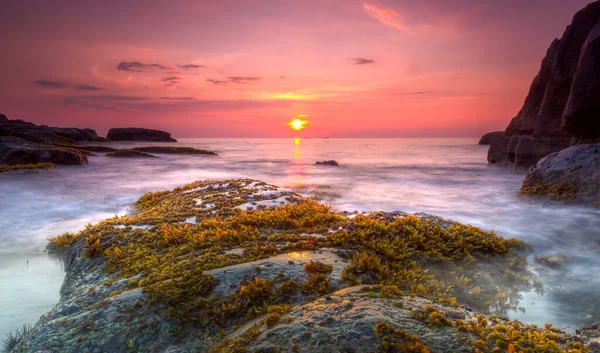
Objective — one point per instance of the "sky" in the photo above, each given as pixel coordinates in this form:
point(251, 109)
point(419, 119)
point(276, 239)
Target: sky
point(224, 68)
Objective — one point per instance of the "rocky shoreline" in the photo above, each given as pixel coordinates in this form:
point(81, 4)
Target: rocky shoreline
point(561, 107)
point(243, 266)
point(560, 111)
point(26, 146)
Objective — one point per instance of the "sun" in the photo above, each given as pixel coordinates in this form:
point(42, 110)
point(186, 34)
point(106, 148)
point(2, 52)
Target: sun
point(297, 124)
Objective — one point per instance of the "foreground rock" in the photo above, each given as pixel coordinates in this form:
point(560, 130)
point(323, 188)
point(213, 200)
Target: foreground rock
point(490, 137)
point(562, 106)
point(139, 134)
point(573, 173)
point(330, 163)
point(243, 266)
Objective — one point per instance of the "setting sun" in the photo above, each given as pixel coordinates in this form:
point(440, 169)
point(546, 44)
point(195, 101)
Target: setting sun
point(297, 124)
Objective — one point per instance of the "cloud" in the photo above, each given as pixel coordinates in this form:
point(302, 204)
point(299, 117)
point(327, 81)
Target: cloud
point(178, 98)
point(217, 82)
point(190, 66)
point(243, 79)
point(109, 97)
point(64, 85)
point(361, 61)
point(87, 88)
point(136, 66)
point(388, 17)
point(236, 79)
point(171, 81)
point(51, 84)
point(77, 102)
point(416, 93)
point(164, 104)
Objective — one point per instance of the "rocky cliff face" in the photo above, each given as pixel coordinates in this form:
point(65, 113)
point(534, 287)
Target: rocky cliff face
point(563, 103)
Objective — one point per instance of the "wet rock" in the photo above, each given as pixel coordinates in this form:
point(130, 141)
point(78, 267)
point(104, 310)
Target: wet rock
point(330, 163)
point(173, 150)
point(573, 174)
point(96, 148)
point(14, 150)
point(139, 134)
point(490, 137)
point(126, 153)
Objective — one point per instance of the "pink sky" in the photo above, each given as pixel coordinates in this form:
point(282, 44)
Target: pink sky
point(222, 68)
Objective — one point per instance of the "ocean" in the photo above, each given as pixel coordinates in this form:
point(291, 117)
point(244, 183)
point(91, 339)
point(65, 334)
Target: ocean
point(445, 177)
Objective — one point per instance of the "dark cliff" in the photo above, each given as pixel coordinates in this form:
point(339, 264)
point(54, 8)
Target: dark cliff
point(563, 103)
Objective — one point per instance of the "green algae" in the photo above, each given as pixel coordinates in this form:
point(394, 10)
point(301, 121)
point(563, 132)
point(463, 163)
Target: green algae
point(169, 257)
point(5, 168)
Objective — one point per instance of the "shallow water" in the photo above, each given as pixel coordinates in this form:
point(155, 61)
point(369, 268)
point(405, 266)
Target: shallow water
point(447, 177)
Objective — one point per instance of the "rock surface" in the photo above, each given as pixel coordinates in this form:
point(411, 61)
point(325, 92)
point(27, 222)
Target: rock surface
point(139, 134)
point(22, 142)
point(129, 153)
point(573, 173)
point(561, 107)
point(490, 137)
point(287, 278)
point(15, 150)
point(44, 134)
point(173, 150)
point(330, 163)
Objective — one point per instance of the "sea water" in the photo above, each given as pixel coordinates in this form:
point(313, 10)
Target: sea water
point(446, 177)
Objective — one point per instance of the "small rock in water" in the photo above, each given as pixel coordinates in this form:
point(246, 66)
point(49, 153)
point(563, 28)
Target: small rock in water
point(331, 163)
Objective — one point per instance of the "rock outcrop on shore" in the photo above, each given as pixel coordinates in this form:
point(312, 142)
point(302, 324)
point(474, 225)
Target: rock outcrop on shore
point(243, 266)
point(139, 134)
point(26, 143)
point(490, 137)
point(571, 174)
point(562, 106)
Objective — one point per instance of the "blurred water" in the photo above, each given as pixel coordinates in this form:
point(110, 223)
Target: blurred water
point(447, 177)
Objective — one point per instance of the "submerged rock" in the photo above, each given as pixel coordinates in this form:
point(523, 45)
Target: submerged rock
point(129, 153)
point(490, 137)
point(561, 107)
point(572, 174)
point(96, 148)
point(287, 277)
point(173, 150)
point(330, 163)
point(139, 134)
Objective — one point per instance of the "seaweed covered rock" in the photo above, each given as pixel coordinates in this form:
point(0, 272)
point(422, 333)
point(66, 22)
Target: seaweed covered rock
point(571, 174)
point(561, 107)
point(243, 266)
point(129, 153)
point(490, 137)
point(139, 134)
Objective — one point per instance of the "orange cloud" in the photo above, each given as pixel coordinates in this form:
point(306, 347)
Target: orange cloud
point(386, 16)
